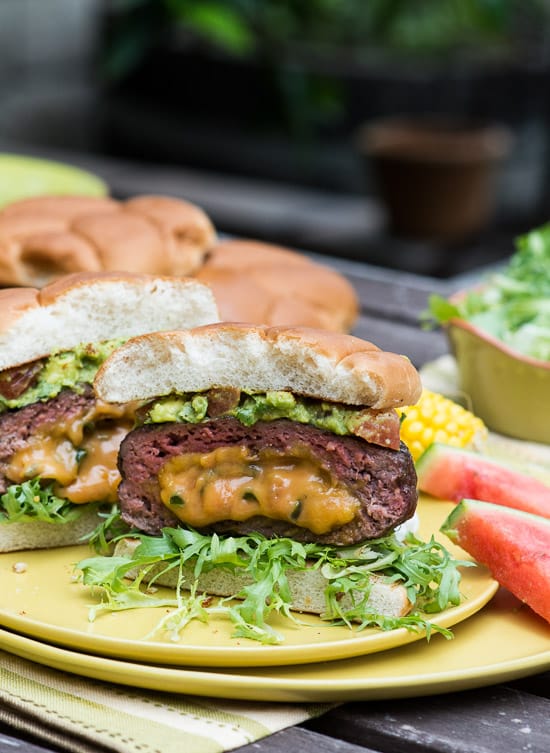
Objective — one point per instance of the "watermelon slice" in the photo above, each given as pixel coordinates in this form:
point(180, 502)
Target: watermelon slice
point(514, 545)
point(454, 474)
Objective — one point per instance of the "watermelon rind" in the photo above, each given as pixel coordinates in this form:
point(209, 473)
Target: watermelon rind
point(448, 527)
point(454, 473)
point(513, 544)
point(438, 451)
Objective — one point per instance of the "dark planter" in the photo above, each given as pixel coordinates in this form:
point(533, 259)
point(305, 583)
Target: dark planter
point(435, 176)
point(186, 106)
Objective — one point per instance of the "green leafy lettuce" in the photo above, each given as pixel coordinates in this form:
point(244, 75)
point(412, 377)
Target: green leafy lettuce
point(514, 304)
point(427, 571)
point(30, 501)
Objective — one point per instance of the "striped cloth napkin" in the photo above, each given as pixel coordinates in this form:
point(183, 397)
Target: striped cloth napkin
point(88, 716)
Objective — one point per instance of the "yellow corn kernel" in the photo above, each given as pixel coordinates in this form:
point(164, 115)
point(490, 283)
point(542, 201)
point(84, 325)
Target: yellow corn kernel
point(435, 418)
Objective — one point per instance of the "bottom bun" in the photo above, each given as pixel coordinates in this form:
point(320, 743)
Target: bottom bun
point(43, 535)
point(307, 587)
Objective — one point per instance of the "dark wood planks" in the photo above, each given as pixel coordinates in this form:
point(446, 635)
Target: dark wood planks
point(539, 685)
point(10, 744)
point(404, 338)
point(489, 720)
point(302, 740)
point(391, 309)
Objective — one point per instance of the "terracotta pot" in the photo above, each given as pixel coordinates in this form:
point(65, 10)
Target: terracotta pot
point(436, 177)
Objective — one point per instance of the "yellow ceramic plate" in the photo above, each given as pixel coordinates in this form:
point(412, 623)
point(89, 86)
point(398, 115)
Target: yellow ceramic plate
point(46, 602)
point(502, 642)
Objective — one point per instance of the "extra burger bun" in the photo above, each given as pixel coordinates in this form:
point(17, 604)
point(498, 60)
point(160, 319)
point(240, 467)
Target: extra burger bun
point(83, 308)
point(307, 587)
point(46, 237)
point(266, 284)
point(311, 362)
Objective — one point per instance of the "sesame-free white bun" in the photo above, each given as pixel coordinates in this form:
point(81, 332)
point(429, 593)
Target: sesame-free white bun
point(262, 283)
point(86, 308)
point(316, 363)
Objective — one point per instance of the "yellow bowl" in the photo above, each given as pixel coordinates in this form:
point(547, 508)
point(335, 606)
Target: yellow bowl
point(508, 390)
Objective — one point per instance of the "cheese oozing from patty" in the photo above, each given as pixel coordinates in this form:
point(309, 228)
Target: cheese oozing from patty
point(233, 483)
point(79, 455)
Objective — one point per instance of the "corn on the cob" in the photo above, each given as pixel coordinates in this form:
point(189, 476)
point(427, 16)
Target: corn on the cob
point(435, 418)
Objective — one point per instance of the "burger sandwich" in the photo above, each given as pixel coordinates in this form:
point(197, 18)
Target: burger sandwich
point(58, 442)
point(266, 466)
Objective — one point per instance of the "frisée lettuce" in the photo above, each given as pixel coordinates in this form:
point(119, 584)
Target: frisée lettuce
point(513, 305)
point(31, 501)
point(429, 573)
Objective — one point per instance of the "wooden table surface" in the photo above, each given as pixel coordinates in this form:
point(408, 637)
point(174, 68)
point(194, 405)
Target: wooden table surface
point(513, 716)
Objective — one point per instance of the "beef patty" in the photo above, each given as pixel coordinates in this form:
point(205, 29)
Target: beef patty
point(17, 427)
point(383, 480)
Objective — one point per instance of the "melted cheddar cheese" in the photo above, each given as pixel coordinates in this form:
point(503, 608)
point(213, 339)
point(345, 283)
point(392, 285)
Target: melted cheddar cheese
point(79, 455)
point(232, 483)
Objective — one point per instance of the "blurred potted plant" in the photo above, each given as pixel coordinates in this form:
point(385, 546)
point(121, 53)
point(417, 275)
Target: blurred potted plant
point(311, 71)
point(437, 177)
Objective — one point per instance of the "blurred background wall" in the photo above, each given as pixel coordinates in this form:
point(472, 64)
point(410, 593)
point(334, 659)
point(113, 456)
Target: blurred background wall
point(278, 91)
point(48, 54)
point(51, 33)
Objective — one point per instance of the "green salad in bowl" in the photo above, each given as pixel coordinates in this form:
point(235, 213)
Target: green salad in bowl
point(499, 334)
point(513, 305)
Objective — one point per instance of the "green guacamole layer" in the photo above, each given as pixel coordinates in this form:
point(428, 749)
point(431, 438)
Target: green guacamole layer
point(266, 406)
point(67, 369)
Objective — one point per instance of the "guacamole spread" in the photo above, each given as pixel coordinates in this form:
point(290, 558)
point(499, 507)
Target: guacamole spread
point(67, 369)
point(265, 406)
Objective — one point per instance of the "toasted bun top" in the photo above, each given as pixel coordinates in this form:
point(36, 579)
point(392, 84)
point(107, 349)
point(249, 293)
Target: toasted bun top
point(85, 308)
point(316, 363)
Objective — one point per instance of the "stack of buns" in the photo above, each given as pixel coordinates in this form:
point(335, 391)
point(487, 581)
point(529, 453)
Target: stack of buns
point(45, 238)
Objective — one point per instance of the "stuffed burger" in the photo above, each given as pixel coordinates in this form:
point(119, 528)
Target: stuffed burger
point(58, 442)
point(266, 465)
